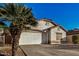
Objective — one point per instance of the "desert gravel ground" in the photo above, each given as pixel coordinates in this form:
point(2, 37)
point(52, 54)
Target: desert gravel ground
point(6, 50)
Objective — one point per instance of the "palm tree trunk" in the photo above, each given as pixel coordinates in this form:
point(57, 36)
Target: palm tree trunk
point(13, 45)
point(15, 42)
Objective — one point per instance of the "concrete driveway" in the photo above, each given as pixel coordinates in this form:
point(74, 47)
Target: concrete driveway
point(47, 50)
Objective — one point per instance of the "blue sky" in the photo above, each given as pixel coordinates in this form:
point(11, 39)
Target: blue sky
point(67, 15)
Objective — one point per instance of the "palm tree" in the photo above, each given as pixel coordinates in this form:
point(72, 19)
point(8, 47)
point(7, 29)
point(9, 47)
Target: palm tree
point(20, 16)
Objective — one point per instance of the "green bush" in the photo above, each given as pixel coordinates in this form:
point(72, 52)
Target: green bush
point(75, 39)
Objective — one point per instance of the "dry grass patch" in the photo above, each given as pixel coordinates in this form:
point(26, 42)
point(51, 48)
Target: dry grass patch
point(6, 51)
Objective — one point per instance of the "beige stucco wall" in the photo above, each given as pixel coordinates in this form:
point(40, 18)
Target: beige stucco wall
point(42, 25)
point(53, 35)
point(31, 37)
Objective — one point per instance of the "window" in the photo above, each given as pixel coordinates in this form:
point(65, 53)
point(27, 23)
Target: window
point(58, 36)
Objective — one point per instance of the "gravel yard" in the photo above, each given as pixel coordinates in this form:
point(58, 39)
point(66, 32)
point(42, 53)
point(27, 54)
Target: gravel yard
point(6, 51)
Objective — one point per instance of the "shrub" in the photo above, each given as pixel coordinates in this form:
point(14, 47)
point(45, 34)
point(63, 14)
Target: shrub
point(75, 39)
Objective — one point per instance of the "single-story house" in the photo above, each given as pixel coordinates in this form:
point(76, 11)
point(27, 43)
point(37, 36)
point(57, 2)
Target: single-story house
point(46, 32)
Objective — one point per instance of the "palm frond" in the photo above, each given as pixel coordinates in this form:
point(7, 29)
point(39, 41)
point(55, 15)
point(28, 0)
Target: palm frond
point(17, 13)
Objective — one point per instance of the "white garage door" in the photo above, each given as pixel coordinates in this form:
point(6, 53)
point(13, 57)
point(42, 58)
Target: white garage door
point(30, 38)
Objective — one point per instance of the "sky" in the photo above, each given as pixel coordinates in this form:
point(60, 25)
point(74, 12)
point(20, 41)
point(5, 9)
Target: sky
point(64, 14)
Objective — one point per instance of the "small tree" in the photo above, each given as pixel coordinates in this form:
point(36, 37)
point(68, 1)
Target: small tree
point(20, 16)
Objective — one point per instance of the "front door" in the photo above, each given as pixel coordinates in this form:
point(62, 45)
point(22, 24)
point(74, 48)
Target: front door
point(45, 37)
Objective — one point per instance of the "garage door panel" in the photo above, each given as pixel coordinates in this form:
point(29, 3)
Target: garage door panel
point(30, 38)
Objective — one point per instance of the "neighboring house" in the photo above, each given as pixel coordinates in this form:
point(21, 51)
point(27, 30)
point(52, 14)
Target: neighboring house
point(2, 36)
point(71, 34)
point(5, 38)
point(46, 32)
